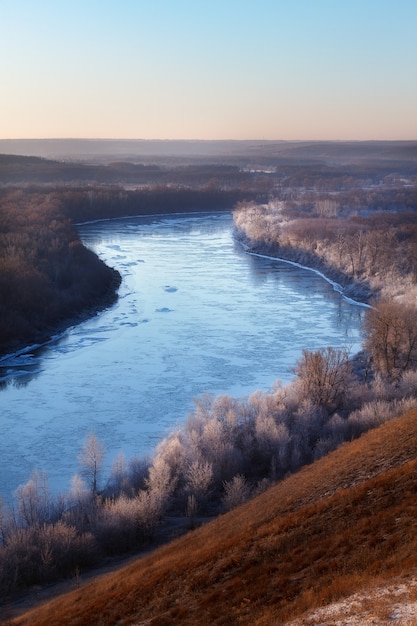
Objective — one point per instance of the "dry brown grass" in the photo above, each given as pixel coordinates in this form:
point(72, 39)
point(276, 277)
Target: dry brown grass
point(338, 526)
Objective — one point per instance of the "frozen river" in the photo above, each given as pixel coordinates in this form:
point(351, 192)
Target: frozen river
point(195, 314)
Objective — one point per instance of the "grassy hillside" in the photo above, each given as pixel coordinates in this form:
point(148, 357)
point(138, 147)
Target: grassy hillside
point(345, 523)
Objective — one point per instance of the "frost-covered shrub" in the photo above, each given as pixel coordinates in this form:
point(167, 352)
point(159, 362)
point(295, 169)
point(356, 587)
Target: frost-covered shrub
point(336, 429)
point(149, 511)
point(198, 478)
point(138, 470)
point(34, 502)
point(116, 528)
point(273, 441)
point(407, 386)
point(236, 492)
point(41, 553)
point(369, 416)
point(81, 505)
point(119, 481)
point(375, 413)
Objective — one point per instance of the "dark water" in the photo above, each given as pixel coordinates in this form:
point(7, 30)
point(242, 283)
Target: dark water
point(195, 314)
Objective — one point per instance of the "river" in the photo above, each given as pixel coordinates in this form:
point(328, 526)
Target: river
point(195, 314)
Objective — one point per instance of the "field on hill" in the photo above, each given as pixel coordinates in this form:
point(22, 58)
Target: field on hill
point(337, 527)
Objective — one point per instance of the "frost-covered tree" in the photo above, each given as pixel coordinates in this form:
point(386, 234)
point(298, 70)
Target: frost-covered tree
point(171, 451)
point(198, 481)
point(160, 485)
point(91, 459)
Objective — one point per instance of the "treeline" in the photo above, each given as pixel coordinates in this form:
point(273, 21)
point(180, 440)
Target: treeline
point(46, 275)
point(96, 202)
point(318, 166)
point(17, 170)
point(91, 202)
point(227, 451)
point(392, 195)
point(370, 252)
point(333, 179)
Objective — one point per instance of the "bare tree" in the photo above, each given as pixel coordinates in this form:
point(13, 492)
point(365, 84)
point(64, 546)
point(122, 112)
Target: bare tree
point(355, 250)
point(91, 459)
point(326, 207)
point(391, 337)
point(324, 377)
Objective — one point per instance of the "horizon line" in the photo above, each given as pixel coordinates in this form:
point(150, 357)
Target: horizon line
point(259, 140)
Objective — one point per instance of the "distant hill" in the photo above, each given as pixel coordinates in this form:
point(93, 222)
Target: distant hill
point(226, 164)
point(339, 526)
point(96, 151)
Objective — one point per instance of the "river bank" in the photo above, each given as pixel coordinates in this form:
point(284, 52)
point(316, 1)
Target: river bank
point(352, 292)
point(369, 253)
point(51, 332)
point(357, 292)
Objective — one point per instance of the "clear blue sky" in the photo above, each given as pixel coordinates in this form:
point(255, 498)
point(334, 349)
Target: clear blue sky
point(209, 69)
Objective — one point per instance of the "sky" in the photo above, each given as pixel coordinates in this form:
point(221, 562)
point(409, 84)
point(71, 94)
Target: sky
point(208, 69)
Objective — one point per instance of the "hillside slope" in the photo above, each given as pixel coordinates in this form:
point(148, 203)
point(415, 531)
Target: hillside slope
point(337, 527)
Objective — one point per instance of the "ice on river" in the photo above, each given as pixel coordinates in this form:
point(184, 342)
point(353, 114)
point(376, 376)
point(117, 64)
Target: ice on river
point(195, 314)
